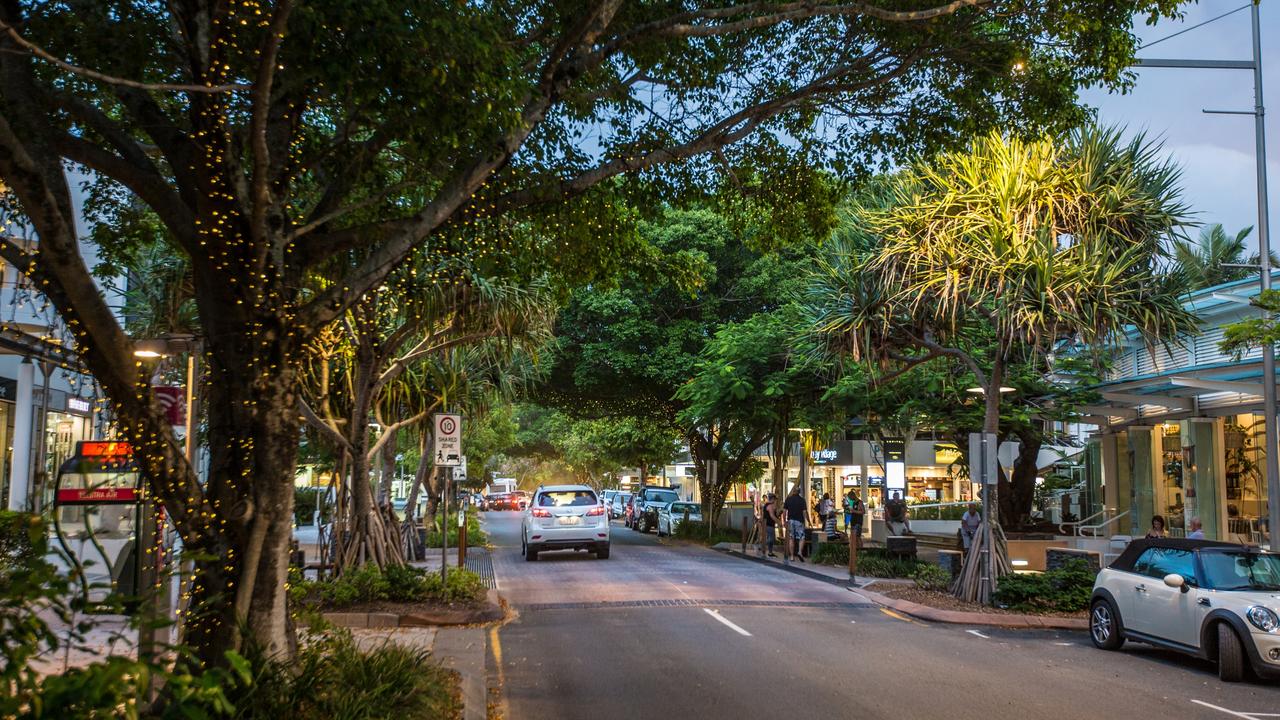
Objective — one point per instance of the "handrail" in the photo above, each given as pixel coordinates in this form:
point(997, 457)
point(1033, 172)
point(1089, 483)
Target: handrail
point(1077, 523)
point(1095, 528)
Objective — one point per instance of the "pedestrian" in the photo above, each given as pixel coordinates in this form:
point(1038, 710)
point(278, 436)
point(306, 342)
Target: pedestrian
point(797, 514)
point(1196, 529)
point(827, 511)
point(854, 511)
point(1157, 527)
point(969, 524)
point(896, 515)
point(771, 521)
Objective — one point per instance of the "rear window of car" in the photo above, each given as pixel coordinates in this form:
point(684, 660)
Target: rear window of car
point(661, 496)
point(566, 498)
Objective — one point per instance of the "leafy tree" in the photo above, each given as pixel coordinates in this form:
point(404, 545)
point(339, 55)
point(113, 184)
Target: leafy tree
point(1209, 259)
point(1025, 244)
point(275, 139)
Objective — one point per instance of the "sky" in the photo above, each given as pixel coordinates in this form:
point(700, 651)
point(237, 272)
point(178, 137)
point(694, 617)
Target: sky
point(1216, 152)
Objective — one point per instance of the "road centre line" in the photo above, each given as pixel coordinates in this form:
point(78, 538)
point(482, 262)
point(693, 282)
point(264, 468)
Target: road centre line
point(975, 632)
point(715, 614)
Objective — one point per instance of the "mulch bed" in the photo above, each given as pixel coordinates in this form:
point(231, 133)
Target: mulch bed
point(946, 601)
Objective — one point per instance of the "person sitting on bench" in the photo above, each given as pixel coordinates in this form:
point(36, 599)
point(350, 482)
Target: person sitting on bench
point(895, 515)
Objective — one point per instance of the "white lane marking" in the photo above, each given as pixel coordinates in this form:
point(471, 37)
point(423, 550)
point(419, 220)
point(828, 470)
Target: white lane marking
point(1064, 644)
point(975, 632)
point(1233, 713)
point(853, 622)
point(726, 621)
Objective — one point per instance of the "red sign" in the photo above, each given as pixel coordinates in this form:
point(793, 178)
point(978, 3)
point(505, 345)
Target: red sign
point(97, 496)
point(173, 402)
point(105, 449)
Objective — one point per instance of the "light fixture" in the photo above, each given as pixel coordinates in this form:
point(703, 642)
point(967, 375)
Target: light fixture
point(1019, 563)
point(150, 349)
point(801, 429)
point(980, 391)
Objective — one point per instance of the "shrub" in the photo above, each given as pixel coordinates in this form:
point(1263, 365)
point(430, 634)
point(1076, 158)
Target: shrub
point(931, 577)
point(475, 536)
point(1066, 589)
point(832, 553)
point(397, 583)
point(876, 562)
point(696, 531)
point(334, 678)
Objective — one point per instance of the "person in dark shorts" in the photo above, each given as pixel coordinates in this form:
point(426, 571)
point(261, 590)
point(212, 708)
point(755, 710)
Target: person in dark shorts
point(797, 520)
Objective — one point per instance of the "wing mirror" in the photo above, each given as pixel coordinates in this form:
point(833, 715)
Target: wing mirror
point(1174, 580)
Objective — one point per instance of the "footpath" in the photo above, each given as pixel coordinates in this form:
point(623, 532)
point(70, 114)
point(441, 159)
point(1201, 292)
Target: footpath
point(840, 576)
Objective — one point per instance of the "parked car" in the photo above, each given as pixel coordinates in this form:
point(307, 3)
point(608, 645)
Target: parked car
point(606, 499)
point(672, 514)
point(1215, 600)
point(565, 517)
point(521, 498)
point(618, 508)
point(644, 506)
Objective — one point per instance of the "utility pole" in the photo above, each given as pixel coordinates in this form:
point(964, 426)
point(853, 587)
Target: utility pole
point(1271, 437)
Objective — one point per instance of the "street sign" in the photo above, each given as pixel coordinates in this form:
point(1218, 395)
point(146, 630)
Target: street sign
point(460, 472)
point(982, 459)
point(448, 440)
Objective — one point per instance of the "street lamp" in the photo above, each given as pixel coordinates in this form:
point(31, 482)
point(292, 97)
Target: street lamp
point(1270, 431)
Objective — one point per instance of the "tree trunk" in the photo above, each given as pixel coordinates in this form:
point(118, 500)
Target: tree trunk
point(1018, 494)
point(409, 528)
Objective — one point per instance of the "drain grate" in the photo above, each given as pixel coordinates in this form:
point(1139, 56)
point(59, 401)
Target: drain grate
point(684, 602)
point(481, 563)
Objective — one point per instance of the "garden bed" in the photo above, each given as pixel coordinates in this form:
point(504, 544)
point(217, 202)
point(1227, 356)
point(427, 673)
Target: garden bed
point(395, 596)
point(946, 601)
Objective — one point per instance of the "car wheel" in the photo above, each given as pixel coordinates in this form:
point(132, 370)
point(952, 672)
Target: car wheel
point(602, 553)
point(530, 554)
point(1231, 662)
point(1104, 625)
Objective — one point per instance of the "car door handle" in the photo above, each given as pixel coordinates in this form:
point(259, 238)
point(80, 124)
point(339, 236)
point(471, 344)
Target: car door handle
point(1139, 588)
point(1204, 602)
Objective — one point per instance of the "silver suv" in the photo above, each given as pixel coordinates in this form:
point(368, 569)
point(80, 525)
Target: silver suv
point(565, 517)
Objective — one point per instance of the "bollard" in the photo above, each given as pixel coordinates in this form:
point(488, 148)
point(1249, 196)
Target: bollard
point(462, 536)
point(854, 541)
point(744, 535)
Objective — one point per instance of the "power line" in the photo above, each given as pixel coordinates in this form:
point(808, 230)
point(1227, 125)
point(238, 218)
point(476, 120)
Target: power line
point(1193, 27)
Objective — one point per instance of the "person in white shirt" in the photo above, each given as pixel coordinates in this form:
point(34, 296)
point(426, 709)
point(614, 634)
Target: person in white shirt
point(969, 524)
point(1196, 530)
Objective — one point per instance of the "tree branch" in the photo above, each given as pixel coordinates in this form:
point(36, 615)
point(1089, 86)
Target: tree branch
point(315, 421)
point(260, 193)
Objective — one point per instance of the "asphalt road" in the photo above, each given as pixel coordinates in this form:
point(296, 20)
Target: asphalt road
point(667, 630)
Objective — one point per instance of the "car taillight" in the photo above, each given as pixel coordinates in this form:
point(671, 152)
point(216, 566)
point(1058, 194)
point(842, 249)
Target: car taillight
point(541, 512)
point(597, 510)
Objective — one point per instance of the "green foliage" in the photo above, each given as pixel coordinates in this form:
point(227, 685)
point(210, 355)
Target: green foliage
point(832, 553)
point(929, 576)
point(696, 531)
point(1066, 589)
point(305, 502)
point(1239, 337)
point(476, 536)
point(872, 562)
point(1206, 261)
point(334, 678)
point(32, 593)
point(394, 583)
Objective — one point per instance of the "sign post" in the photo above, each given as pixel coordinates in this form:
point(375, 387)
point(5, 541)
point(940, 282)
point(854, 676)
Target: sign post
point(447, 453)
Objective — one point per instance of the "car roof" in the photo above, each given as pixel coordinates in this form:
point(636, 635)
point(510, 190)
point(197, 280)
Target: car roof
point(1136, 548)
point(565, 488)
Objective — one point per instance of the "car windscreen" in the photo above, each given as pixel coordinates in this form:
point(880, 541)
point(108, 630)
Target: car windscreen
point(660, 496)
point(682, 508)
point(1241, 571)
point(566, 498)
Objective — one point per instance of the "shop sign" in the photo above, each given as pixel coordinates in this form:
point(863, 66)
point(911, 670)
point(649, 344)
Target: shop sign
point(945, 454)
point(97, 496)
point(79, 405)
point(838, 453)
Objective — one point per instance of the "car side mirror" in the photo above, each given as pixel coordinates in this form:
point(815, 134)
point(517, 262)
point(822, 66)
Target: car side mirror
point(1175, 580)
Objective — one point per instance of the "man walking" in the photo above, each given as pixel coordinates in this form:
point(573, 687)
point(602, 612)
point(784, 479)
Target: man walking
point(969, 524)
point(854, 511)
point(797, 520)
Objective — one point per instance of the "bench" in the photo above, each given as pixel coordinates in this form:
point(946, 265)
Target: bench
point(902, 546)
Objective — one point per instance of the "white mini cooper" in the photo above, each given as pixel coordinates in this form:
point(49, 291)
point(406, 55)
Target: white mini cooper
point(1215, 600)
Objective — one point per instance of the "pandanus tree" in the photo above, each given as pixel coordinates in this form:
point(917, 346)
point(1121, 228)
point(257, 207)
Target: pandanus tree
point(271, 137)
point(1030, 243)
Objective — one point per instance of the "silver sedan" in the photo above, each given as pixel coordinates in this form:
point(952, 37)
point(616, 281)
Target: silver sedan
point(671, 515)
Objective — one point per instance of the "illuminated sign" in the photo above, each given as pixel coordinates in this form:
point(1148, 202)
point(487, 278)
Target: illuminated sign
point(104, 449)
point(79, 405)
point(945, 454)
point(97, 496)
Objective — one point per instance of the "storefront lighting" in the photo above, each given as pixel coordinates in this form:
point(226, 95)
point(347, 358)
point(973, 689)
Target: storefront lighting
point(150, 349)
point(1019, 563)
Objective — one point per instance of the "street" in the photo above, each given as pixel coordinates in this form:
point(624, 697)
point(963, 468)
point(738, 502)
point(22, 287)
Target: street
point(667, 629)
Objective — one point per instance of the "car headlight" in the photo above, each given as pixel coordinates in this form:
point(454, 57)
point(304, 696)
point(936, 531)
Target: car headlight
point(1263, 618)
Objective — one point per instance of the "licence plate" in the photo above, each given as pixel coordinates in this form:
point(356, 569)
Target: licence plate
point(571, 520)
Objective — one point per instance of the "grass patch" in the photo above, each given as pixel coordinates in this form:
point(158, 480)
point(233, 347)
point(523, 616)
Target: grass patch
point(394, 583)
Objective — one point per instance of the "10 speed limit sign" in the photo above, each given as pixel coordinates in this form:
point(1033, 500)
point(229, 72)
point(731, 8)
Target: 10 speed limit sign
point(448, 440)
